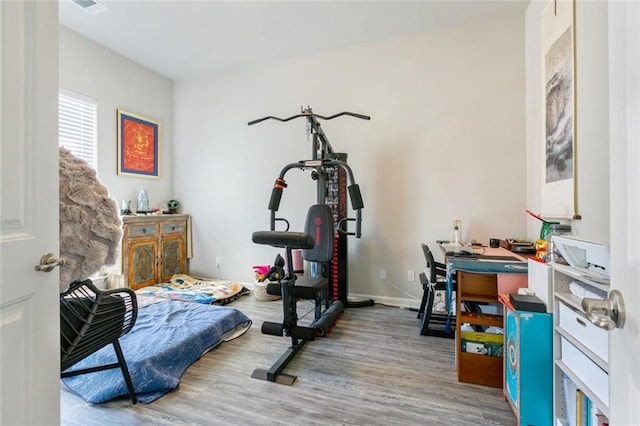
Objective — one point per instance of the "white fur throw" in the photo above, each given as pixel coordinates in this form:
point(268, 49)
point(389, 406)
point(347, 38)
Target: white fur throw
point(90, 225)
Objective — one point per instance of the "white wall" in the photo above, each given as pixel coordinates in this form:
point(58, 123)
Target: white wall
point(446, 141)
point(116, 82)
point(592, 118)
point(452, 99)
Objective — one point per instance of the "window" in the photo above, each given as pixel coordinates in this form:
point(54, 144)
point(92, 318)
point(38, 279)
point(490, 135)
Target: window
point(77, 125)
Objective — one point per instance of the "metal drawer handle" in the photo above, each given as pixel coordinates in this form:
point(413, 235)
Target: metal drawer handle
point(608, 313)
point(582, 323)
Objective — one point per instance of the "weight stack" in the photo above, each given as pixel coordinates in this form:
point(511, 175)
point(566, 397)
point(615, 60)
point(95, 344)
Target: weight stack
point(337, 199)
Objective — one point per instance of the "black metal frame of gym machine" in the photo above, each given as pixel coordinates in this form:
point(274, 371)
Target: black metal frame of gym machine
point(323, 157)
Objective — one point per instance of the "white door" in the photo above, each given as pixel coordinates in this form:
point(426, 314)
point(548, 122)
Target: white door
point(624, 86)
point(29, 300)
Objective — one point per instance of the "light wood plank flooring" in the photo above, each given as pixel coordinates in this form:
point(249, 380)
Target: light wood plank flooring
point(373, 369)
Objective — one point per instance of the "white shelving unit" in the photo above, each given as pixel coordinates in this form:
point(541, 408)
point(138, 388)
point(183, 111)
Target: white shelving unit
point(541, 282)
point(581, 349)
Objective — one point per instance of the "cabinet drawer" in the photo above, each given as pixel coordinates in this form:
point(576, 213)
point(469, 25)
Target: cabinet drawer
point(142, 230)
point(596, 339)
point(169, 228)
point(594, 377)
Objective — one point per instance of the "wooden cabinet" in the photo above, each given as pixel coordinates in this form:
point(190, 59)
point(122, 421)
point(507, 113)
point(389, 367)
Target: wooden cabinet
point(528, 366)
point(473, 366)
point(154, 248)
point(580, 349)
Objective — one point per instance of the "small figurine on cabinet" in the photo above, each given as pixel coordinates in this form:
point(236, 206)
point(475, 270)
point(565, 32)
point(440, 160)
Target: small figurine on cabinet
point(143, 201)
point(126, 207)
point(173, 206)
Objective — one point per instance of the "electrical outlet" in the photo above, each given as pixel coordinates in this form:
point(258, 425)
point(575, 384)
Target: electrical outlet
point(218, 262)
point(411, 276)
point(383, 274)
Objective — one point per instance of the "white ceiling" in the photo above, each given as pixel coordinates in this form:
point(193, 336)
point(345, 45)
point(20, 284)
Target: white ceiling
point(182, 39)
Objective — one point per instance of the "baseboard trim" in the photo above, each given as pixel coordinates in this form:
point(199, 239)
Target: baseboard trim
point(398, 302)
point(390, 301)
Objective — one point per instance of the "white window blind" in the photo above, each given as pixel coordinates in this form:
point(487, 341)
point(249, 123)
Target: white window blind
point(77, 125)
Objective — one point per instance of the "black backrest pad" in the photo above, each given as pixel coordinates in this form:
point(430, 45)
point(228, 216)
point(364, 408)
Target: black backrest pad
point(319, 225)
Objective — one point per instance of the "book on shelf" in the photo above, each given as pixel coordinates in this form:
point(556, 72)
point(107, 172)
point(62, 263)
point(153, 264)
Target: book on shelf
point(588, 414)
point(579, 408)
point(600, 419)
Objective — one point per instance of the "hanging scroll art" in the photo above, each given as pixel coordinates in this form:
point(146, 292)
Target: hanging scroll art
point(559, 194)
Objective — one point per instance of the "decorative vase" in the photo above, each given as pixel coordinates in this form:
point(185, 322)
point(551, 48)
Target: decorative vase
point(126, 207)
point(143, 200)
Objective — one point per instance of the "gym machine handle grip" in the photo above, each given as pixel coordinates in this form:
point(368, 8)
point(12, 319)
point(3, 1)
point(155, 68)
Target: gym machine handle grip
point(352, 114)
point(276, 194)
point(356, 197)
point(274, 201)
point(258, 120)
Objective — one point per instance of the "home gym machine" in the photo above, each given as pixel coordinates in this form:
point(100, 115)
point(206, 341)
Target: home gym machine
point(324, 242)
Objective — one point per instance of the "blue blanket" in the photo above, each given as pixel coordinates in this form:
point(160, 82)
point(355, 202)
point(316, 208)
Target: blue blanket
point(167, 338)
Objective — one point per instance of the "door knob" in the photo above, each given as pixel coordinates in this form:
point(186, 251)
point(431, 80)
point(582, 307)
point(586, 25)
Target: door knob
point(607, 313)
point(48, 262)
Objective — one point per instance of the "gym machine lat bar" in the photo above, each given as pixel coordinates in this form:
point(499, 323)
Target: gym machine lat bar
point(318, 135)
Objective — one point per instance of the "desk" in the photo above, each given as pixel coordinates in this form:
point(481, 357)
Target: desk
point(481, 281)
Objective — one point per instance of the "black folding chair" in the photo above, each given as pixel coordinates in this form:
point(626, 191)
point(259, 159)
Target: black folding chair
point(434, 323)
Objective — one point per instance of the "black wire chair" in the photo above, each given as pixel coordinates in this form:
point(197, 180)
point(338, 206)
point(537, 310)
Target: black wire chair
point(432, 323)
point(90, 319)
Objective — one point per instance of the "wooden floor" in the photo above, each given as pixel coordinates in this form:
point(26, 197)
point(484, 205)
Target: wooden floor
point(373, 369)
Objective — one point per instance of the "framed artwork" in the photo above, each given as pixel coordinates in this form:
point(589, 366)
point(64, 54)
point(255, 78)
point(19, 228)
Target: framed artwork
point(138, 145)
point(559, 194)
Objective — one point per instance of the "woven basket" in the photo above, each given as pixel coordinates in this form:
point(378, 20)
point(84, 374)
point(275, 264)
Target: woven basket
point(260, 292)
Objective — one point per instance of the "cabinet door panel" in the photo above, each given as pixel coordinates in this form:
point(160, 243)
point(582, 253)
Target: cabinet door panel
point(143, 269)
point(512, 360)
point(173, 255)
